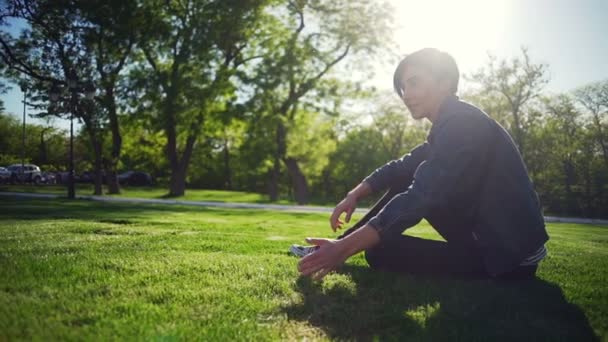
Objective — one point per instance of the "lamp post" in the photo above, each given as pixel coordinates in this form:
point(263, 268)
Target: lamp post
point(24, 90)
point(75, 88)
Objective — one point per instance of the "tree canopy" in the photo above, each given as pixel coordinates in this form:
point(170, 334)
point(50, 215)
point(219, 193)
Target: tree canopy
point(261, 95)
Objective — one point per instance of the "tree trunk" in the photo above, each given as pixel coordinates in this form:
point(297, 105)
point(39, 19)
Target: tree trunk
point(518, 132)
point(177, 183)
point(98, 168)
point(298, 180)
point(97, 151)
point(569, 181)
point(600, 138)
point(112, 180)
point(273, 186)
point(111, 170)
point(179, 169)
point(96, 143)
point(227, 170)
point(588, 197)
point(281, 148)
point(43, 155)
point(327, 183)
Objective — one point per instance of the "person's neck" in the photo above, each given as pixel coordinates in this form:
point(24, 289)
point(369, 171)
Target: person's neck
point(433, 115)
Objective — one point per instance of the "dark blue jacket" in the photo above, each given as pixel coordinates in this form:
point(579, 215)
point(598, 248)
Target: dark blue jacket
point(471, 165)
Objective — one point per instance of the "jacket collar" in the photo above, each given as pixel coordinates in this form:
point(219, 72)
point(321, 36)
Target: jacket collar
point(446, 109)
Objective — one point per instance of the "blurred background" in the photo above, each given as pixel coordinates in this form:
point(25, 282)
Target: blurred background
point(291, 99)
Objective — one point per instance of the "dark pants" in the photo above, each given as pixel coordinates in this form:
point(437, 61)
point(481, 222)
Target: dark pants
point(457, 256)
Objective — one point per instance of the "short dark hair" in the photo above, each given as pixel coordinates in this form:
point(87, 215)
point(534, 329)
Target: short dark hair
point(441, 65)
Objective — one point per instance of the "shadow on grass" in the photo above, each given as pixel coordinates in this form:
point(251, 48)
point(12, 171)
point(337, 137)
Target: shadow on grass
point(396, 307)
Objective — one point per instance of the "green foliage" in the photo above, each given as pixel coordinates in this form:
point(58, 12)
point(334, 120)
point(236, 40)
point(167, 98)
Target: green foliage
point(190, 52)
point(306, 41)
point(143, 149)
point(311, 142)
point(569, 174)
point(44, 146)
point(9, 159)
point(267, 96)
point(364, 146)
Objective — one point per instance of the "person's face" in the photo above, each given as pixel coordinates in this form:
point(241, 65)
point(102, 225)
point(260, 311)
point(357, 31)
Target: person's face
point(422, 93)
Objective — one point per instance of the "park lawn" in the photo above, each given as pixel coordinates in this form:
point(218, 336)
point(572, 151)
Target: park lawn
point(157, 192)
point(82, 270)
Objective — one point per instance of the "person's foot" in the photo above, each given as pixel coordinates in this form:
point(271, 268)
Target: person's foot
point(302, 251)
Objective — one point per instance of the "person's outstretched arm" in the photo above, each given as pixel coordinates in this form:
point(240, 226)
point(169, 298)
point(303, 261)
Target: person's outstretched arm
point(349, 204)
point(399, 170)
point(391, 173)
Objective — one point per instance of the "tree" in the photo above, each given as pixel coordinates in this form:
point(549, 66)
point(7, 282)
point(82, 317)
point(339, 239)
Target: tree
point(564, 123)
point(88, 39)
point(399, 131)
point(110, 37)
point(45, 147)
point(594, 98)
point(3, 90)
point(51, 51)
point(365, 145)
point(143, 147)
point(192, 49)
point(518, 81)
point(309, 38)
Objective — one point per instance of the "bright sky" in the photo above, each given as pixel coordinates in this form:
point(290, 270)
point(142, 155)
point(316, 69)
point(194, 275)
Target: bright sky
point(568, 35)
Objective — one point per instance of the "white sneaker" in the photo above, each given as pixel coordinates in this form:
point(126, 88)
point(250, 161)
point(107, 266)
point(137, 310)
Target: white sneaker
point(302, 251)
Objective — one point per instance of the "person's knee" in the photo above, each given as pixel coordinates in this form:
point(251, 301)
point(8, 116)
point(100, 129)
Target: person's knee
point(373, 258)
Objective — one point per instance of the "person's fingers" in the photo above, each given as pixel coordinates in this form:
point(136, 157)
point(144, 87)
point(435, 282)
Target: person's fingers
point(308, 261)
point(310, 267)
point(335, 216)
point(313, 262)
point(309, 270)
point(349, 212)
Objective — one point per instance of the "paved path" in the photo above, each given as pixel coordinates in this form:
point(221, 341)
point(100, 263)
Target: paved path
point(291, 208)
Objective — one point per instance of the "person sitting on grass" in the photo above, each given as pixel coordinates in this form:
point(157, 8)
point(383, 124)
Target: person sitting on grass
point(467, 180)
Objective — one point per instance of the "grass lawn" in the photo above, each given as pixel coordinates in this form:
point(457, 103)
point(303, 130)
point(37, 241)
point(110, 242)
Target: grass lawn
point(81, 270)
point(158, 192)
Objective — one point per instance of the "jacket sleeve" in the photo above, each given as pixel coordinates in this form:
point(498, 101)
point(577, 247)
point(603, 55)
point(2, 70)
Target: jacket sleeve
point(398, 170)
point(457, 147)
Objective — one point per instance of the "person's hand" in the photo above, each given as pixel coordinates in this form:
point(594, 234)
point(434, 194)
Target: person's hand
point(327, 258)
point(348, 206)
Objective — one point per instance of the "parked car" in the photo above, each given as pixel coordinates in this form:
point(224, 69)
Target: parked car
point(49, 178)
point(136, 178)
point(25, 173)
point(5, 175)
point(86, 177)
point(61, 177)
point(89, 177)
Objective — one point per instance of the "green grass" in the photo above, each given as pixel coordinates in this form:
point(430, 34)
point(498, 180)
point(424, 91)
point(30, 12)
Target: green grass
point(84, 270)
point(151, 192)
